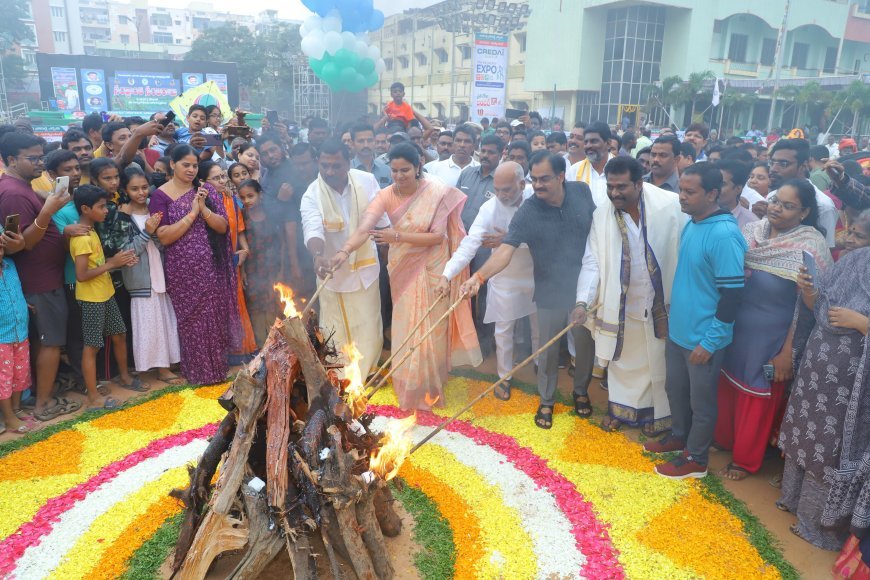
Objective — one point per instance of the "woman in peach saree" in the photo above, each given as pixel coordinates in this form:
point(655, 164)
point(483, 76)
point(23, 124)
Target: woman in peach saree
point(426, 230)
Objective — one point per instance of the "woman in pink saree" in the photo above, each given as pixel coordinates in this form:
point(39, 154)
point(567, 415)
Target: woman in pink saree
point(426, 230)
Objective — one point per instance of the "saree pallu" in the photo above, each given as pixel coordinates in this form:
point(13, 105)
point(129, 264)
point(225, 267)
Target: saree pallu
point(414, 274)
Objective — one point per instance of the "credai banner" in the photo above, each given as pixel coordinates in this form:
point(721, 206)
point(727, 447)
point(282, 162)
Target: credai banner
point(489, 91)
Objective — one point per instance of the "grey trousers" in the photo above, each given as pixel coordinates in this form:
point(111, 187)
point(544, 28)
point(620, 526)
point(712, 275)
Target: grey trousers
point(550, 322)
point(693, 395)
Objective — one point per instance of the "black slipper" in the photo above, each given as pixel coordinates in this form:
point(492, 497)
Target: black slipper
point(503, 391)
point(544, 420)
point(583, 408)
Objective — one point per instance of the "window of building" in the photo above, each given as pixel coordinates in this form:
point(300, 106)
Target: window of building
point(57, 11)
point(830, 59)
point(799, 54)
point(388, 63)
point(29, 58)
point(59, 36)
point(161, 38)
point(125, 39)
point(177, 41)
point(466, 51)
point(421, 59)
point(161, 20)
point(768, 52)
point(737, 47)
point(200, 23)
point(406, 26)
point(441, 54)
point(404, 61)
point(521, 41)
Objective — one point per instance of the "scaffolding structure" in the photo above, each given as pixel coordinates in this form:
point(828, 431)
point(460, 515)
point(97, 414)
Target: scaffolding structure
point(311, 96)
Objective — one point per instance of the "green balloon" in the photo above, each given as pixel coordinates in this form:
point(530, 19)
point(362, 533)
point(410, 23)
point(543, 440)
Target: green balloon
point(344, 58)
point(316, 65)
point(329, 72)
point(347, 78)
point(366, 66)
point(371, 79)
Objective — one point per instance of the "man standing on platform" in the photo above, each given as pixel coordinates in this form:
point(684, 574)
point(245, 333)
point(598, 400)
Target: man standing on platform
point(629, 266)
point(555, 225)
point(707, 291)
point(332, 208)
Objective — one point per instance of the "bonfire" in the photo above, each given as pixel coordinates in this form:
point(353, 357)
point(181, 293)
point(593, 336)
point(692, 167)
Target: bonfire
point(300, 469)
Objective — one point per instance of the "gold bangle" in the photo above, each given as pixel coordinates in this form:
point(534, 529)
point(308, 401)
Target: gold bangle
point(210, 213)
point(39, 226)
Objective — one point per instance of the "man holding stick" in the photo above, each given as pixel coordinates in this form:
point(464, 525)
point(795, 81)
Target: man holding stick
point(630, 263)
point(510, 295)
point(331, 208)
point(555, 225)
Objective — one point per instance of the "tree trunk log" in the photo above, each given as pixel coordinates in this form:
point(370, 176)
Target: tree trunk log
point(373, 538)
point(217, 534)
point(296, 335)
point(263, 544)
point(389, 520)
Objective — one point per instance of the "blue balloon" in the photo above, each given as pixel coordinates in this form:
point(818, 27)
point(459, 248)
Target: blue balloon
point(311, 4)
point(376, 21)
point(347, 8)
point(324, 7)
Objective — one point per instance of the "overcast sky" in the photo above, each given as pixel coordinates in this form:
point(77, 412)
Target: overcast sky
point(293, 9)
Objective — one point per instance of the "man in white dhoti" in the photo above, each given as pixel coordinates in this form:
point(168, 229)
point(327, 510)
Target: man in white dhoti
point(629, 266)
point(510, 294)
point(332, 207)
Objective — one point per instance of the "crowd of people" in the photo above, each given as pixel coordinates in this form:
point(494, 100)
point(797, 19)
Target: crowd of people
point(719, 291)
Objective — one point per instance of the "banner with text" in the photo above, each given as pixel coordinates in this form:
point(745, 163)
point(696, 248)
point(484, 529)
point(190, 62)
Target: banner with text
point(94, 90)
point(142, 92)
point(489, 88)
point(66, 88)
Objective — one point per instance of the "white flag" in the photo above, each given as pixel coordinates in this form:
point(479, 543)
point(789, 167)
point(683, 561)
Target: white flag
point(716, 93)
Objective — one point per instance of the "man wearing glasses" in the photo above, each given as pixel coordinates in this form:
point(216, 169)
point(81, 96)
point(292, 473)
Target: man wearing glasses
point(39, 254)
point(788, 160)
point(555, 225)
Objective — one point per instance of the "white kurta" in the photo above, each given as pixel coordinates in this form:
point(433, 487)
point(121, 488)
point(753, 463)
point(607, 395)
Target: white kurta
point(510, 293)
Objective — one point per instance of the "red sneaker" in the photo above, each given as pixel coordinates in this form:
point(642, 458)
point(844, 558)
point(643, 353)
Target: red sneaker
point(682, 467)
point(666, 444)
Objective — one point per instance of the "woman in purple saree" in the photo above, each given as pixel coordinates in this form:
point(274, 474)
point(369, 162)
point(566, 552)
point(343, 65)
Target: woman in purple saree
point(200, 278)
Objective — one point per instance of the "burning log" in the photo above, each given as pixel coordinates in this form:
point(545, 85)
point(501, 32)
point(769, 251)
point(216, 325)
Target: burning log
point(300, 467)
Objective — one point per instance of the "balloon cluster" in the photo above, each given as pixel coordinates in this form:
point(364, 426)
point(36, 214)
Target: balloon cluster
point(335, 40)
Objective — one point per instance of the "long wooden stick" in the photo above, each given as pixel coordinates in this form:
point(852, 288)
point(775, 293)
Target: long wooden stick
point(393, 354)
point(492, 387)
point(414, 347)
point(314, 298)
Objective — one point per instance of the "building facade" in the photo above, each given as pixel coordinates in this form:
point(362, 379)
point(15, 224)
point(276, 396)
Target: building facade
point(598, 59)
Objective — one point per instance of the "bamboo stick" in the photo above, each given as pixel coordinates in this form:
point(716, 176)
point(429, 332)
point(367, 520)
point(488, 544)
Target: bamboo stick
point(401, 346)
point(411, 350)
point(492, 387)
point(316, 295)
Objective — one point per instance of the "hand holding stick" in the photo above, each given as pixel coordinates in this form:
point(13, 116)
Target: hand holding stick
point(411, 350)
point(492, 387)
point(314, 298)
point(401, 346)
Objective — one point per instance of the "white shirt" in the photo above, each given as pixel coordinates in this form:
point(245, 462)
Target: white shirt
point(344, 279)
point(597, 181)
point(640, 294)
point(447, 171)
point(828, 215)
point(510, 294)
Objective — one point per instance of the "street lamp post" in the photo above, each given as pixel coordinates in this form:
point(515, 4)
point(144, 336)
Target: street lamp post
point(136, 22)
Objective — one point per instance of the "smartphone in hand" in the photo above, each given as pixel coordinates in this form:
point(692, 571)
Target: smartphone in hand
point(12, 223)
point(211, 140)
point(61, 184)
point(810, 264)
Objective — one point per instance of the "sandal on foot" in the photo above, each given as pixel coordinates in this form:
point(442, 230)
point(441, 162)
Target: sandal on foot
point(796, 531)
point(734, 472)
point(583, 407)
point(781, 506)
point(502, 392)
point(108, 404)
point(775, 481)
point(611, 424)
point(102, 388)
point(69, 405)
point(135, 385)
point(24, 429)
point(49, 413)
point(544, 420)
point(23, 415)
point(172, 380)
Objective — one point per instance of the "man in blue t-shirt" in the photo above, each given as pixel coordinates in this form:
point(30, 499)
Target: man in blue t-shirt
point(707, 291)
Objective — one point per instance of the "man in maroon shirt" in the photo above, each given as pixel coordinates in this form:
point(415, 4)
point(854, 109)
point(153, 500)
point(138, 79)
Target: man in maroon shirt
point(40, 263)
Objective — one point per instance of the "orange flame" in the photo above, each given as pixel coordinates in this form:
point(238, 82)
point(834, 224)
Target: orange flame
point(395, 448)
point(354, 394)
point(286, 299)
point(430, 400)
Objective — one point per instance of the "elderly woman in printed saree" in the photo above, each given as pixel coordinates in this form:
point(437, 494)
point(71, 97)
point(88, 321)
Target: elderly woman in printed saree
point(826, 432)
point(426, 230)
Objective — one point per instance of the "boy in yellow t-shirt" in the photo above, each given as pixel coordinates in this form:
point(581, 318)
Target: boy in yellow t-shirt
point(96, 295)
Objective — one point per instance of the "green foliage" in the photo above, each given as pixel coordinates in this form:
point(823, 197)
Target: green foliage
point(13, 69)
point(432, 532)
point(12, 29)
point(147, 560)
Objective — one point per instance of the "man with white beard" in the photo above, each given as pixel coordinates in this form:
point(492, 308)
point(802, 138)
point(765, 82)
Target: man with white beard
point(510, 294)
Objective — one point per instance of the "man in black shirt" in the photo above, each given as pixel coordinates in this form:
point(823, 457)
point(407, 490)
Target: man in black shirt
point(555, 224)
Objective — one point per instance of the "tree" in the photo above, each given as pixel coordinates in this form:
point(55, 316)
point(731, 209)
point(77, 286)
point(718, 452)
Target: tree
point(231, 43)
point(694, 89)
point(14, 73)
point(855, 99)
point(12, 29)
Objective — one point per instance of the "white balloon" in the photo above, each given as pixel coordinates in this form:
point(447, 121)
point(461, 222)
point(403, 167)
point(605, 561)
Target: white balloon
point(348, 41)
point(332, 42)
point(313, 46)
point(362, 49)
point(380, 66)
point(374, 53)
point(313, 22)
point(364, 36)
point(332, 23)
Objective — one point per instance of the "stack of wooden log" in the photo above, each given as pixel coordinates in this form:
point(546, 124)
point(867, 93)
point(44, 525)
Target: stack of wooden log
point(294, 472)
